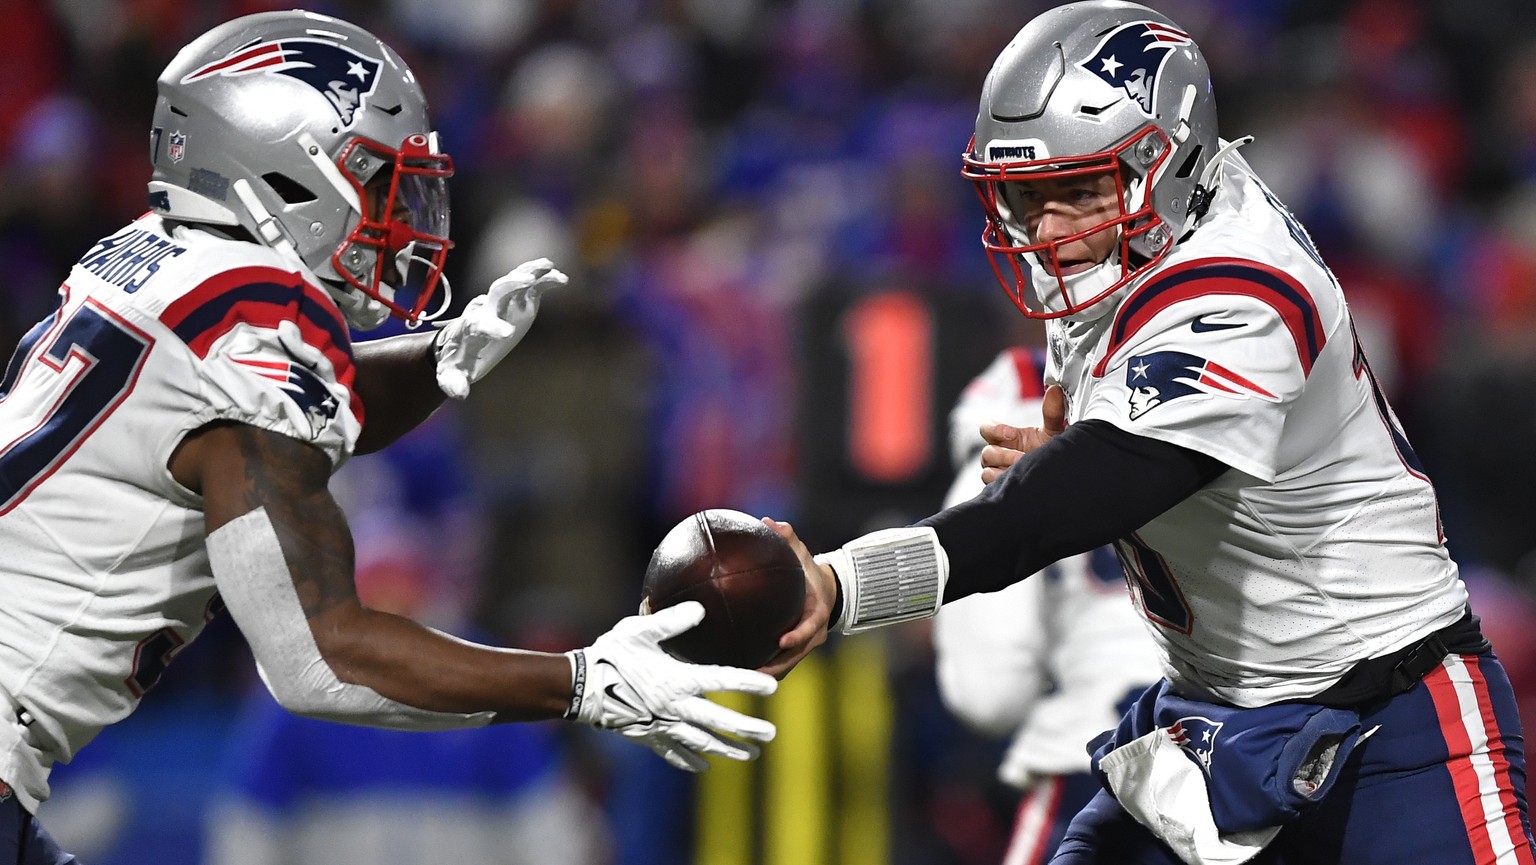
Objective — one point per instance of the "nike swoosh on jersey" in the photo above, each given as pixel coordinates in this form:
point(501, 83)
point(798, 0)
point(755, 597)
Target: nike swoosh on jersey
point(1200, 325)
point(1207, 276)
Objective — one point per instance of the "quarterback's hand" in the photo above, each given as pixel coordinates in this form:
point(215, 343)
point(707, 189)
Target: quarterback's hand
point(1006, 444)
point(820, 593)
point(492, 325)
point(626, 682)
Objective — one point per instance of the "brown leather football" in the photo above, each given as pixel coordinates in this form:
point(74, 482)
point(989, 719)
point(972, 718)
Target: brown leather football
point(745, 575)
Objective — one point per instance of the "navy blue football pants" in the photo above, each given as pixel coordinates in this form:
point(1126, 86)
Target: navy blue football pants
point(24, 841)
point(1442, 782)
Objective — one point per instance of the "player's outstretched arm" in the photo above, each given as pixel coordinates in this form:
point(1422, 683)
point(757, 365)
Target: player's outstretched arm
point(403, 379)
point(878, 579)
point(282, 557)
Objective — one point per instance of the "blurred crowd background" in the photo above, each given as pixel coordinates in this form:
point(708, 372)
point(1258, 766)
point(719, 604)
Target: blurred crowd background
point(777, 292)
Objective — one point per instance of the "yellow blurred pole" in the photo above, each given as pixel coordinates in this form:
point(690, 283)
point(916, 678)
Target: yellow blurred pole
point(724, 813)
point(797, 770)
point(864, 707)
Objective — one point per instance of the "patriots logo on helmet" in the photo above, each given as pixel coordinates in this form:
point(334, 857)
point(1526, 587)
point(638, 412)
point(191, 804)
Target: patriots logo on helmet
point(1197, 736)
point(1161, 376)
point(1130, 58)
point(344, 77)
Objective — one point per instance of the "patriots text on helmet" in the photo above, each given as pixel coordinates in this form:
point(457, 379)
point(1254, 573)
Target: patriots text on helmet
point(999, 153)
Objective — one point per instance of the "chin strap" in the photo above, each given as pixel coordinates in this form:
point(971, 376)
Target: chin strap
point(268, 230)
point(403, 259)
point(1210, 176)
point(1088, 283)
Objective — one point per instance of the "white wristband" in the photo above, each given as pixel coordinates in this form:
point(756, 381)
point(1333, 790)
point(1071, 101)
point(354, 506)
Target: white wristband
point(889, 576)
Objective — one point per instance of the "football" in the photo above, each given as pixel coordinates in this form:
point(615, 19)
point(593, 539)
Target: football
point(745, 575)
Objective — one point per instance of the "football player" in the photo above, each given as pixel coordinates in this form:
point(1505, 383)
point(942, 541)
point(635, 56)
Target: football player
point(1048, 661)
point(169, 432)
point(1327, 695)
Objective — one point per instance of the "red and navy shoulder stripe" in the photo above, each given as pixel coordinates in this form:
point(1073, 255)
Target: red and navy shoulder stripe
point(1234, 276)
point(262, 297)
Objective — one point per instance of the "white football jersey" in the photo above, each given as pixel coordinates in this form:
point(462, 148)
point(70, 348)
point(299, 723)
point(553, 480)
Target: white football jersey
point(1323, 546)
point(1048, 660)
point(102, 561)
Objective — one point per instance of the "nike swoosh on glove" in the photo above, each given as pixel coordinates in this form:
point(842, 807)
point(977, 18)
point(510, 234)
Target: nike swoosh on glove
point(492, 325)
point(626, 682)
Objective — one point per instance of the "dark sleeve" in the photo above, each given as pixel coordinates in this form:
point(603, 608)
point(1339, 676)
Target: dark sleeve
point(1086, 487)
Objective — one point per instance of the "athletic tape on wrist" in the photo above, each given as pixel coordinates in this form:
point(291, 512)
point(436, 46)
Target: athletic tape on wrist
point(578, 681)
point(889, 576)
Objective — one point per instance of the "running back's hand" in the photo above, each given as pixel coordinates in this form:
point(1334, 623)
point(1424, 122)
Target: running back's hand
point(627, 683)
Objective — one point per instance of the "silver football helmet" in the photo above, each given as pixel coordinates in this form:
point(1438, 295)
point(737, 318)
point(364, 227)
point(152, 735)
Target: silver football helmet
point(312, 136)
point(1093, 88)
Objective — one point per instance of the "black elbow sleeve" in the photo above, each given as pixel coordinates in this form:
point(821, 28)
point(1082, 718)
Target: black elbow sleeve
point(1090, 485)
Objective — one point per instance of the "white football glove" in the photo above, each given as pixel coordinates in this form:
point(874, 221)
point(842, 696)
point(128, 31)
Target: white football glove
point(626, 682)
point(492, 325)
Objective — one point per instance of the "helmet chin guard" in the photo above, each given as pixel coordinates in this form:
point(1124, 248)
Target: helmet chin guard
point(1051, 291)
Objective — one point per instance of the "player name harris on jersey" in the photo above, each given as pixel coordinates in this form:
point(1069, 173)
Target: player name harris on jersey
point(129, 258)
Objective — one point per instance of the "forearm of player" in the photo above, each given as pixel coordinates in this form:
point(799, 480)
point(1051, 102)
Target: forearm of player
point(397, 383)
point(288, 606)
point(282, 557)
point(1088, 486)
point(421, 667)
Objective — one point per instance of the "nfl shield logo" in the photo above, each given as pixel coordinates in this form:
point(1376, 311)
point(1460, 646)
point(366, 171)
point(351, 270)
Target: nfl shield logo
point(178, 146)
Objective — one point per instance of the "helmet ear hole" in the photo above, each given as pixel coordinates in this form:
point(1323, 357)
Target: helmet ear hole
point(289, 190)
point(1188, 167)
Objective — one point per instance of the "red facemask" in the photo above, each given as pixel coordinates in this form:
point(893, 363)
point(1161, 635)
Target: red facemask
point(413, 217)
point(1006, 241)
